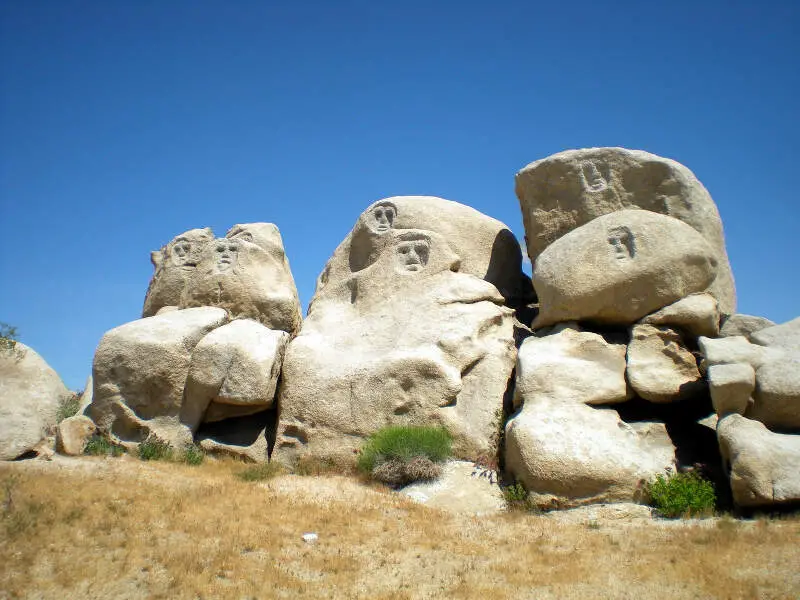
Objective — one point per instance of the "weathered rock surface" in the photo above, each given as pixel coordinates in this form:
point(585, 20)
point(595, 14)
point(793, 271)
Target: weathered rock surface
point(568, 454)
point(764, 466)
point(461, 488)
point(660, 367)
point(785, 336)
point(621, 267)
point(30, 394)
point(246, 273)
point(234, 372)
point(73, 433)
point(572, 365)
point(776, 398)
point(567, 190)
point(695, 315)
point(731, 387)
point(398, 333)
point(140, 372)
point(743, 325)
point(482, 246)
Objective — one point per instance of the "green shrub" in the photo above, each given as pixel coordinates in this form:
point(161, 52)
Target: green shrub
point(515, 493)
point(100, 446)
point(68, 407)
point(8, 342)
point(154, 448)
point(682, 495)
point(261, 472)
point(397, 455)
point(193, 455)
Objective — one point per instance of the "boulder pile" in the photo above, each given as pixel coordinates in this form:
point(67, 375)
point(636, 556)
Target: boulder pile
point(621, 359)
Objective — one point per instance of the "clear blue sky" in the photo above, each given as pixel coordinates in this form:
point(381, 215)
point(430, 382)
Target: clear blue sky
point(126, 122)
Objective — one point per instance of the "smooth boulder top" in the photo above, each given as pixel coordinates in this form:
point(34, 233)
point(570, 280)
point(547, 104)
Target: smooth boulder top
point(785, 336)
point(620, 267)
point(567, 190)
point(485, 247)
point(246, 273)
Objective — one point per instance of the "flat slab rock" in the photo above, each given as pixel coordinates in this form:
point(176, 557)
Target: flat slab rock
point(462, 488)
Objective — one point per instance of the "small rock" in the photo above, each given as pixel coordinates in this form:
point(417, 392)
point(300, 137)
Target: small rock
point(310, 538)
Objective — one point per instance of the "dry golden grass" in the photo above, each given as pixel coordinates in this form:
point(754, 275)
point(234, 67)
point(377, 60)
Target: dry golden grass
point(117, 528)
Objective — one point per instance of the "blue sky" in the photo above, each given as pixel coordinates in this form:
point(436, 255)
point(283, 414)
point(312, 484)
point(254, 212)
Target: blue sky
point(126, 122)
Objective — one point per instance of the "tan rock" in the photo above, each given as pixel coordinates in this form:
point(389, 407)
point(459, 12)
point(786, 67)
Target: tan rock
point(785, 336)
point(461, 488)
point(660, 368)
point(567, 190)
point(174, 265)
point(246, 273)
point(573, 365)
point(234, 371)
point(30, 394)
point(73, 433)
point(140, 372)
point(731, 387)
point(621, 267)
point(764, 466)
point(568, 454)
point(743, 325)
point(695, 315)
point(403, 337)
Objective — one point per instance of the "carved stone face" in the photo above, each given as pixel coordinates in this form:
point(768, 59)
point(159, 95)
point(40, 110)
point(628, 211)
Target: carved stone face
point(593, 180)
point(227, 252)
point(383, 217)
point(182, 253)
point(413, 254)
point(622, 241)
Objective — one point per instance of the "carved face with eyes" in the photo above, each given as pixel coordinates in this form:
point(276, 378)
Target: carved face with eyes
point(413, 254)
point(226, 252)
point(621, 240)
point(383, 217)
point(182, 253)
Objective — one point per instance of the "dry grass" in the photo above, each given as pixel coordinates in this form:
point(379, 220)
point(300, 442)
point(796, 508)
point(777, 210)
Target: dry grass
point(118, 528)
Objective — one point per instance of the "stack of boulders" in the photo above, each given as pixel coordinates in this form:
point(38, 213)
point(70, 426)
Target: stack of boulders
point(624, 360)
point(202, 365)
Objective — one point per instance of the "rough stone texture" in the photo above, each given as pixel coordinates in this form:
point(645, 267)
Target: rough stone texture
point(569, 454)
point(246, 273)
point(731, 387)
point(567, 190)
point(660, 368)
point(776, 398)
point(461, 488)
point(785, 336)
point(140, 371)
point(573, 365)
point(696, 315)
point(743, 325)
point(764, 466)
point(234, 372)
point(483, 247)
point(73, 433)
point(174, 266)
point(621, 267)
point(30, 393)
point(86, 396)
point(398, 334)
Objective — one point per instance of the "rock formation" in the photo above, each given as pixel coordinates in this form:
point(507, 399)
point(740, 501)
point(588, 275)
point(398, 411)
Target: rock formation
point(568, 190)
point(218, 314)
point(30, 394)
point(409, 325)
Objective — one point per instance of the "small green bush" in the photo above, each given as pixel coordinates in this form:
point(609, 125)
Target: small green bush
point(100, 446)
point(397, 455)
point(261, 472)
point(515, 493)
point(154, 448)
point(193, 455)
point(682, 495)
point(68, 407)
